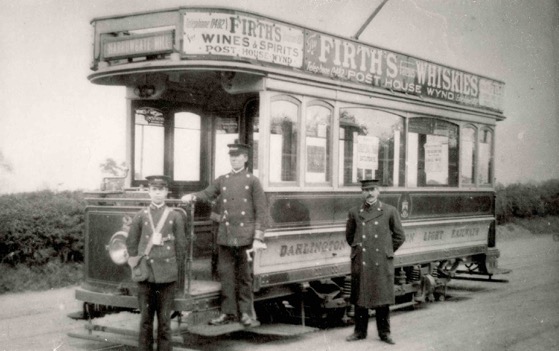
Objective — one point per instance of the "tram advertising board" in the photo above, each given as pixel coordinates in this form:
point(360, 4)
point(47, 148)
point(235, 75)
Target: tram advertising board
point(240, 36)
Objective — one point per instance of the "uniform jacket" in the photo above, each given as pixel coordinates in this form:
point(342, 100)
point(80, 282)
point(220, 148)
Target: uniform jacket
point(242, 206)
point(374, 234)
point(165, 259)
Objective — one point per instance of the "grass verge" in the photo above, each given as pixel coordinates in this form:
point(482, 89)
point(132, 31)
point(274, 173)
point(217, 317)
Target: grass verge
point(539, 225)
point(52, 275)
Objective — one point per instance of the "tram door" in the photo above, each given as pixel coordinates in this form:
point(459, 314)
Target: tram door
point(189, 143)
point(239, 126)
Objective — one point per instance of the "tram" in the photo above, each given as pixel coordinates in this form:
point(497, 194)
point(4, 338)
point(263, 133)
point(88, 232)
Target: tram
point(320, 112)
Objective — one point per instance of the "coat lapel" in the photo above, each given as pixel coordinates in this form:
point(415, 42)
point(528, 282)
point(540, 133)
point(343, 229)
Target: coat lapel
point(372, 212)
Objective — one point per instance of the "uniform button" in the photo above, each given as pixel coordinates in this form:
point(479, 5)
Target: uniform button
point(246, 187)
point(170, 222)
point(145, 211)
point(242, 224)
point(376, 263)
point(243, 213)
point(376, 236)
point(224, 200)
point(364, 264)
point(363, 223)
point(364, 250)
point(226, 223)
point(147, 236)
point(363, 236)
point(376, 250)
point(151, 260)
point(227, 176)
point(224, 188)
point(168, 248)
point(245, 200)
point(376, 223)
point(248, 175)
point(145, 223)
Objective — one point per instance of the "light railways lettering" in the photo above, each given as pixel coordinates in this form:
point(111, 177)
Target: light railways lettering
point(464, 232)
point(312, 247)
point(433, 235)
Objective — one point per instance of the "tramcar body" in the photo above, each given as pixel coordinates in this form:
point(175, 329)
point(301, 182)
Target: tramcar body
point(320, 112)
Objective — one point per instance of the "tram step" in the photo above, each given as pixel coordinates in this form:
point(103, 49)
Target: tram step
point(215, 330)
point(118, 339)
point(277, 329)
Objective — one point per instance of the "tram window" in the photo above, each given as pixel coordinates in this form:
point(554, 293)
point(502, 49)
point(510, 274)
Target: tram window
point(148, 142)
point(283, 140)
point(485, 157)
point(317, 141)
point(226, 132)
point(371, 146)
point(187, 146)
point(432, 153)
point(467, 155)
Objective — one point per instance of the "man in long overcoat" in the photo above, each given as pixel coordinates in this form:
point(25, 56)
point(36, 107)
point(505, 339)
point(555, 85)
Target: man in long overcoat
point(243, 214)
point(374, 232)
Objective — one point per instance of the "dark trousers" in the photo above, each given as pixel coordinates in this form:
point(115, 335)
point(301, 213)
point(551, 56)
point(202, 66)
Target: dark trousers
point(235, 275)
point(382, 315)
point(155, 299)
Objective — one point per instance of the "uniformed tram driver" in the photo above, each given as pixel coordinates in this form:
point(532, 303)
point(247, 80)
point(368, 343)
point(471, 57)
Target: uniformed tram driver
point(374, 232)
point(243, 212)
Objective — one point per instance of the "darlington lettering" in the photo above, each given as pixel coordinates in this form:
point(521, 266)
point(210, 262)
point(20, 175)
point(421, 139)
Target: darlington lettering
point(313, 247)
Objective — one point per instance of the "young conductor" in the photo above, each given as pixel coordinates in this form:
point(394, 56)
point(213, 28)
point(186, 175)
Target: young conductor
point(162, 231)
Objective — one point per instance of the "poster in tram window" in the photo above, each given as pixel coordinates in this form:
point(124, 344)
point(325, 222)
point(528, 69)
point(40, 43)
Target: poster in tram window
point(241, 36)
point(367, 152)
point(436, 160)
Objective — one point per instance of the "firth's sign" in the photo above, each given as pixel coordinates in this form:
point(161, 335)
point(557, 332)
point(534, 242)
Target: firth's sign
point(351, 61)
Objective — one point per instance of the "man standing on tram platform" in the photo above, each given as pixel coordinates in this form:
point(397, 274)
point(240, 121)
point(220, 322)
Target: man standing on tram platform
point(242, 222)
point(374, 232)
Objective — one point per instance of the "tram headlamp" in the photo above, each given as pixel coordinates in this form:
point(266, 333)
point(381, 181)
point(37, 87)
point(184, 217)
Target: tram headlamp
point(117, 248)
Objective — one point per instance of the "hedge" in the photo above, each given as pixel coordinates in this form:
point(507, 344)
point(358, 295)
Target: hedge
point(38, 227)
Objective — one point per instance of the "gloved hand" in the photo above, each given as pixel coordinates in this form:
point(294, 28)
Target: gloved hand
point(258, 245)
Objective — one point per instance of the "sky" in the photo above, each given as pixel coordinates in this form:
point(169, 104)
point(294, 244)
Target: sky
point(56, 127)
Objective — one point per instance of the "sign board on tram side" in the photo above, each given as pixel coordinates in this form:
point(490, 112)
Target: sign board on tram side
point(347, 60)
point(243, 37)
point(240, 36)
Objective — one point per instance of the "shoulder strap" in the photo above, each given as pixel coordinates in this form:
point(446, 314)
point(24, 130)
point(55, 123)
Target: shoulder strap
point(160, 225)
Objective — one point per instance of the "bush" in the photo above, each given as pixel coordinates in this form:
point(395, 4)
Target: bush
point(36, 228)
point(527, 200)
